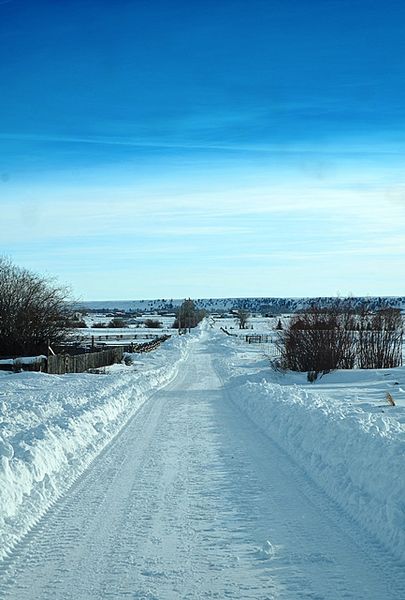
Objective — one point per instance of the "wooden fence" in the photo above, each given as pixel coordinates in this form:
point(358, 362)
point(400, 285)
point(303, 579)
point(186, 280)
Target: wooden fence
point(115, 338)
point(258, 339)
point(228, 333)
point(78, 363)
point(147, 346)
point(81, 361)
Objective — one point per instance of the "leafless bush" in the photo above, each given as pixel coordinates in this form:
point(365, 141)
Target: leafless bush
point(33, 311)
point(342, 336)
point(117, 323)
point(380, 339)
point(319, 339)
point(153, 324)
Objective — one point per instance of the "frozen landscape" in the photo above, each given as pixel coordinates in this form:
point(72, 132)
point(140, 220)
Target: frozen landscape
point(199, 472)
point(202, 301)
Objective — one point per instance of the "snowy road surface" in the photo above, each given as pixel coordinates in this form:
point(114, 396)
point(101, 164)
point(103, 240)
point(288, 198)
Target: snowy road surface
point(190, 500)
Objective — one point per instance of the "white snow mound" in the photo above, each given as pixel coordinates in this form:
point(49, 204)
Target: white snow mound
point(52, 427)
point(356, 454)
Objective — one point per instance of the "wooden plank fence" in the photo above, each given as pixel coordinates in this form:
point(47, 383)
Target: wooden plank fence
point(59, 364)
point(95, 339)
point(78, 363)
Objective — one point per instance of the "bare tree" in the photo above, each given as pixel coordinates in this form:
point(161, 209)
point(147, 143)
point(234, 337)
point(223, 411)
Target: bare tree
point(34, 310)
point(242, 317)
point(188, 316)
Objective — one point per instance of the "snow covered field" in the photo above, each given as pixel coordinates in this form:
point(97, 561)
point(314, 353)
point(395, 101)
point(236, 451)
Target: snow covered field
point(135, 331)
point(231, 481)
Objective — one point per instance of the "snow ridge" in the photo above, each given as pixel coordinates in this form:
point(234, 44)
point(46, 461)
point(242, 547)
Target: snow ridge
point(356, 457)
point(52, 428)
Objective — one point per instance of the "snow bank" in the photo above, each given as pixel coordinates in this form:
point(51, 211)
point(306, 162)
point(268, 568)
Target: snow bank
point(52, 427)
point(355, 456)
point(23, 360)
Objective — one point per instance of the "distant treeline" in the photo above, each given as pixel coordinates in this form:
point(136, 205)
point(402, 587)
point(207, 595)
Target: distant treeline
point(264, 305)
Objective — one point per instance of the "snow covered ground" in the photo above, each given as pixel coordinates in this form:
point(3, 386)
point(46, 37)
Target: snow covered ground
point(341, 430)
point(135, 331)
point(200, 473)
point(52, 427)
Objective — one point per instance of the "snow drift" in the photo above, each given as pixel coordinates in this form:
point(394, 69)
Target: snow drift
point(52, 427)
point(355, 455)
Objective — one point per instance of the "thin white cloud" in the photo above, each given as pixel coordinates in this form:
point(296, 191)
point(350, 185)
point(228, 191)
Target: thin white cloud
point(70, 214)
point(340, 148)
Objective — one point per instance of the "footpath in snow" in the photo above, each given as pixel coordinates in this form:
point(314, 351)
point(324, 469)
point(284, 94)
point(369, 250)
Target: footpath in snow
point(199, 476)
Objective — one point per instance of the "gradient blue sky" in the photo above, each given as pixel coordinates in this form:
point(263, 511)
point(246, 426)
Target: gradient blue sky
point(154, 149)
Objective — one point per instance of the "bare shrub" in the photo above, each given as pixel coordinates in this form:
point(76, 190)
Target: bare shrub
point(380, 338)
point(342, 336)
point(117, 323)
point(319, 339)
point(153, 324)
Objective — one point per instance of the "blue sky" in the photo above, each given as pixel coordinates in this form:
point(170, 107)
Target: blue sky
point(167, 149)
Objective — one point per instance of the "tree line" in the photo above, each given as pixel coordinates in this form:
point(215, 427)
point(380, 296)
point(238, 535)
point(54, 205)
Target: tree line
point(188, 316)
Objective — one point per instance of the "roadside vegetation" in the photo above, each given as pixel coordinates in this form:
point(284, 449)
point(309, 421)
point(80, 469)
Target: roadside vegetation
point(342, 336)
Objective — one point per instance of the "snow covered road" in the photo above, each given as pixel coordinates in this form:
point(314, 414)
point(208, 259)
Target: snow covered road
point(191, 500)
